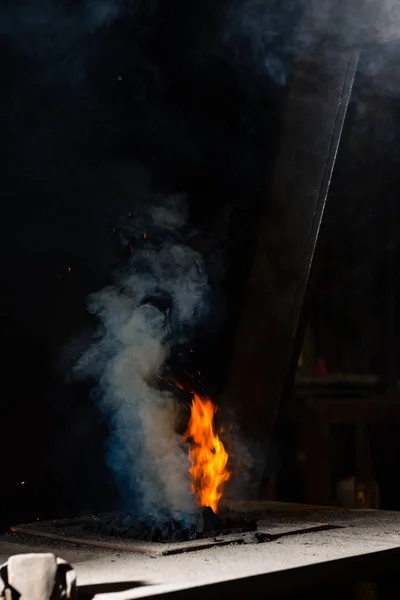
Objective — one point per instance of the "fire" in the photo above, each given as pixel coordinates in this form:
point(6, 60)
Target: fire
point(207, 454)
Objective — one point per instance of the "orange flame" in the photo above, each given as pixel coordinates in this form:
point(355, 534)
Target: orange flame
point(207, 454)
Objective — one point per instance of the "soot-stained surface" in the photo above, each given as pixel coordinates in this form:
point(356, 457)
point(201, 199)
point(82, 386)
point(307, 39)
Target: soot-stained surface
point(121, 531)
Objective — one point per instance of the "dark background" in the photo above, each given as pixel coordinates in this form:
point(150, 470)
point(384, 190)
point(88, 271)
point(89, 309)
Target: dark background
point(95, 99)
point(353, 309)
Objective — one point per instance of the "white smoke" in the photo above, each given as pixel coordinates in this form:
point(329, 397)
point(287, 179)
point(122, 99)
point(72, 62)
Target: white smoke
point(147, 456)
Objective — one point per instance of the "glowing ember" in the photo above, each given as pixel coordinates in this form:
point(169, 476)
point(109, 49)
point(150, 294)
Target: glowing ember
point(207, 454)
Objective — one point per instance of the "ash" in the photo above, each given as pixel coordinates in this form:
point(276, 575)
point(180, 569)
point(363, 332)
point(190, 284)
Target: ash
point(202, 524)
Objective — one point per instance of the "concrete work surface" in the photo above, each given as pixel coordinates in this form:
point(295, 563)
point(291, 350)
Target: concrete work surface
point(359, 541)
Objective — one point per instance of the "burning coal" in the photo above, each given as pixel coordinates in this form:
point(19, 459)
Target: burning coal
point(154, 303)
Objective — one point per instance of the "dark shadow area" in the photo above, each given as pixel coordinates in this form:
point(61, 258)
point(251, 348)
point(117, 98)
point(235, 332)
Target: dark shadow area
point(339, 441)
point(86, 592)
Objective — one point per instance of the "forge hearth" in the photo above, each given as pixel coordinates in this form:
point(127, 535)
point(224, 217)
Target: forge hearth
point(200, 525)
point(239, 524)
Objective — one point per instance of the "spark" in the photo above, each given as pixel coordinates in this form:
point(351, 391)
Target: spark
point(145, 236)
point(69, 269)
point(22, 482)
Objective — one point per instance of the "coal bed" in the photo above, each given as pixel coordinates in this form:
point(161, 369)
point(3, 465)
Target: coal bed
point(122, 532)
point(164, 528)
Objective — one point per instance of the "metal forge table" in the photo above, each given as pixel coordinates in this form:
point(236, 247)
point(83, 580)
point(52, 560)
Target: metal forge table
point(360, 546)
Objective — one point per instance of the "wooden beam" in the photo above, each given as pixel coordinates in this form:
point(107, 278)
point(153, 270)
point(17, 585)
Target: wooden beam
point(263, 348)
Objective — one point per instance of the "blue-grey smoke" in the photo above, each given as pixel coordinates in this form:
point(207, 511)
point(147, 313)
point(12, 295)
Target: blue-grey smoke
point(148, 458)
point(270, 35)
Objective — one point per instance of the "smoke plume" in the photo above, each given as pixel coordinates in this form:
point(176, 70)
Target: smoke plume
point(153, 304)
